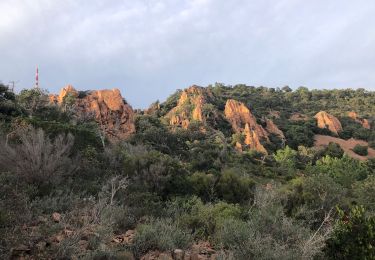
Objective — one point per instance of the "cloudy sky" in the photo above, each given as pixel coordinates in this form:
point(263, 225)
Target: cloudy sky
point(150, 48)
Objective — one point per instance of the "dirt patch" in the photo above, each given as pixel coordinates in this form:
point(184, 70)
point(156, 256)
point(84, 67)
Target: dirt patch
point(347, 145)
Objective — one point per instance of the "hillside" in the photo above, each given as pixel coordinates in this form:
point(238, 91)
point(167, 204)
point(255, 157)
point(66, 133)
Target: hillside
point(216, 172)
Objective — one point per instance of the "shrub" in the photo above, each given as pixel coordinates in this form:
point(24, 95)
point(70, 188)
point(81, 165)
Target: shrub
point(160, 234)
point(343, 170)
point(36, 158)
point(234, 188)
point(269, 233)
point(334, 150)
point(361, 150)
point(202, 219)
point(203, 185)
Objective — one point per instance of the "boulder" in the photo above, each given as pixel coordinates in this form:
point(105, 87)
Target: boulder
point(328, 121)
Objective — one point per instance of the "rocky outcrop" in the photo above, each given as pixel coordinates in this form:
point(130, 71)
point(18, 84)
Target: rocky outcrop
point(108, 108)
point(298, 117)
point(364, 122)
point(189, 107)
point(252, 139)
point(243, 121)
point(273, 129)
point(325, 120)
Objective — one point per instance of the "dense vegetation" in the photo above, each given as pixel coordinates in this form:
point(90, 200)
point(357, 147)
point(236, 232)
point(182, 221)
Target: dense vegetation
point(176, 187)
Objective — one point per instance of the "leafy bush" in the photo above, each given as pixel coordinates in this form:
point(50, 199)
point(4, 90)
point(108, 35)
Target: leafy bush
point(361, 150)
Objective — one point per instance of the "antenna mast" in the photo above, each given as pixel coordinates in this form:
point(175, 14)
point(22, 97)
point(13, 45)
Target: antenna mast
point(37, 78)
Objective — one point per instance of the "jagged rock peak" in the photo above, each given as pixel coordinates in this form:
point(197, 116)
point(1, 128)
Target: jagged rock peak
point(114, 116)
point(325, 120)
point(243, 121)
point(364, 122)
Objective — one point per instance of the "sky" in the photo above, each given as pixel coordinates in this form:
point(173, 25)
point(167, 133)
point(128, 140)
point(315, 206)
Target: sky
point(150, 48)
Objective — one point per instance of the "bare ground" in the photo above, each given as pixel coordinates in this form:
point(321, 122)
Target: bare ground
point(347, 145)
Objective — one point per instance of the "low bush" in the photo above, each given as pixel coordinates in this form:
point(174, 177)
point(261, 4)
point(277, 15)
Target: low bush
point(361, 150)
point(160, 234)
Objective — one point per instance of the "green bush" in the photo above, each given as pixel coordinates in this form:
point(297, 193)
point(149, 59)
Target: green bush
point(202, 219)
point(160, 234)
point(234, 188)
point(268, 233)
point(361, 150)
point(343, 170)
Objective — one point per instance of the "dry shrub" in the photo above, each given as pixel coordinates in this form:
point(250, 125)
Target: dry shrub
point(36, 158)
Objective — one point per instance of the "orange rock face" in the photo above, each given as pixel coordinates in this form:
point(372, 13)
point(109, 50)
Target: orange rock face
point(243, 121)
point(114, 116)
point(328, 121)
point(364, 122)
point(193, 97)
point(273, 129)
point(298, 117)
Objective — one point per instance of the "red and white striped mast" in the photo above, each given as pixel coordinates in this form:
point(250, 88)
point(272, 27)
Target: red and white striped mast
point(37, 78)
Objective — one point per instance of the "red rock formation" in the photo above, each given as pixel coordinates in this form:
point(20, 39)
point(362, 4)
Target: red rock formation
point(243, 121)
point(273, 129)
point(192, 97)
point(298, 117)
point(364, 122)
point(114, 116)
point(328, 121)
point(252, 139)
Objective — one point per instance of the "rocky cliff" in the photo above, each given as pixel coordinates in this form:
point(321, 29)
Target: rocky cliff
point(243, 121)
point(325, 120)
point(189, 107)
point(364, 122)
point(108, 108)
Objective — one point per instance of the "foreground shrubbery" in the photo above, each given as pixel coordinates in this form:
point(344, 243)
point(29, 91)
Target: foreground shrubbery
point(239, 216)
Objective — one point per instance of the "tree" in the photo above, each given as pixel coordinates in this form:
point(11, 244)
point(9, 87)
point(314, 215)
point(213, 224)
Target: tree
point(286, 89)
point(32, 100)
